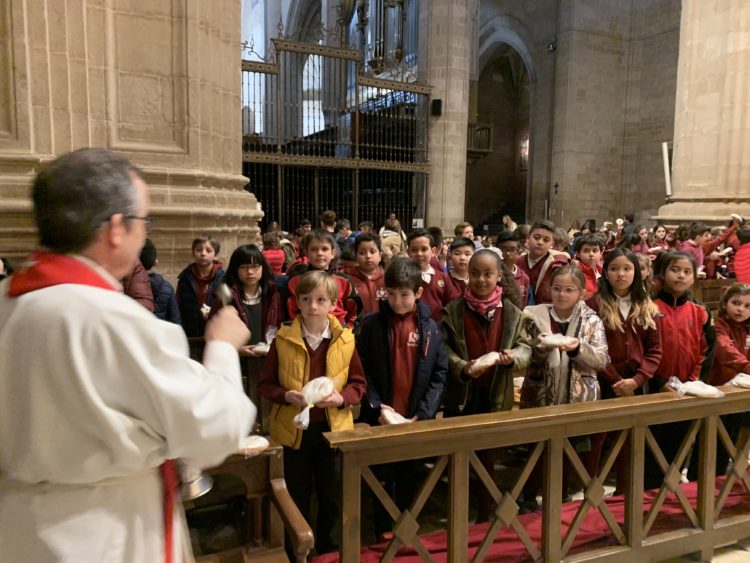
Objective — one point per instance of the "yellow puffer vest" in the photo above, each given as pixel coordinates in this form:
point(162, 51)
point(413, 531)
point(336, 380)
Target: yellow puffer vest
point(294, 372)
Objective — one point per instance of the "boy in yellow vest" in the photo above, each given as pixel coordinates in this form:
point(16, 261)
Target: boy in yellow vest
point(313, 345)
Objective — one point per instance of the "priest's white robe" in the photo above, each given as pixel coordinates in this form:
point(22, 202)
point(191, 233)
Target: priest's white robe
point(95, 393)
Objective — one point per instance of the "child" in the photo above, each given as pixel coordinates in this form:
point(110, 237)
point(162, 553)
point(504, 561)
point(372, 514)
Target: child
point(165, 300)
point(460, 252)
point(647, 272)
point(197, 283)
point(633, 338)
point(732, 335)
point(438, 291)
point(508, 244)
point(589, 254)
point(366, 275)
point(699, 233)
point(642, 246)
point(682, 322)
point(254, 295)
point(565, 373)
point(684, 326)
point(392, 238)
point(313, 345)
point(732, 355)
point(320, 251)
point(405, 363)
point(272, 252)
point(659, 243)
point(439, 249)
point(541, 262)
point(560, 240)
point(483, 320)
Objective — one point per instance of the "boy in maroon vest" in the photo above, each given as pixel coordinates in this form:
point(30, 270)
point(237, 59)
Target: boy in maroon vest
point(541, 260)
point(438, 291)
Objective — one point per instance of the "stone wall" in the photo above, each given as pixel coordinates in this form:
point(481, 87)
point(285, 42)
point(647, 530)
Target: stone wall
point(602, 99)
point(158, 81)
point(495, 180)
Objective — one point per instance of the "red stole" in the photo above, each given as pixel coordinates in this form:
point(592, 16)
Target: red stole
point(47, 269)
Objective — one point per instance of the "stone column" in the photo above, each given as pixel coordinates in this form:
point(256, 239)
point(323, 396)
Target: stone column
point(711, 165)
point(156, 81)
point(449, 64)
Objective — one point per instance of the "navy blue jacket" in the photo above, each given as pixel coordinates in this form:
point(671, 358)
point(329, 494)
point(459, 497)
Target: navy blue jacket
point(374, 349)
point(193, 322)
point(165, 300)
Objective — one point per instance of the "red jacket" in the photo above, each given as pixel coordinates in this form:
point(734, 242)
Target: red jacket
point(635, 353)
point(592, 285)
point(370, 290)
point(682, 325)
point(732, 354)
point(275, 258)
point(742, 264)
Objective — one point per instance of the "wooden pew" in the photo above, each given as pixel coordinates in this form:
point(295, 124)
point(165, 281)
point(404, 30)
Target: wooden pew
point(270, 510)
point(710, 292)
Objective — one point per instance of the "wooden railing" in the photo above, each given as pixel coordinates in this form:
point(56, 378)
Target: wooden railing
point(453, 443)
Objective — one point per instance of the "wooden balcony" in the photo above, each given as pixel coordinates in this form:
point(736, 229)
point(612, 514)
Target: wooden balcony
point(479, 141)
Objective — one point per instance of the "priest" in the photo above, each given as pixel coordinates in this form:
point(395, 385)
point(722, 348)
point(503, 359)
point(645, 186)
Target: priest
point(98, 396)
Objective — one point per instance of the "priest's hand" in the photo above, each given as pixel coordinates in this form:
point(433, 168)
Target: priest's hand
point(227, 326)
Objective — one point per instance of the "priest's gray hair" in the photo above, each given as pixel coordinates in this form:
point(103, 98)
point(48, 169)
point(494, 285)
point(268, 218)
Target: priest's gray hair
point(75, 194)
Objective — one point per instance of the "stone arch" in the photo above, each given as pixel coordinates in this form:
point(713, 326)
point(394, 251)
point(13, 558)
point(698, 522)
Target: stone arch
point(511, 31)
point(303, 21)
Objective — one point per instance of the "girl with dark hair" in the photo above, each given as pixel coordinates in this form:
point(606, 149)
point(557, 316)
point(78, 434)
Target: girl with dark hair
point(633, 338)
point(481, 321)
point(732, 356)
point(629, 318)
point(685, 328)
point(732, 335)
point(254, 296)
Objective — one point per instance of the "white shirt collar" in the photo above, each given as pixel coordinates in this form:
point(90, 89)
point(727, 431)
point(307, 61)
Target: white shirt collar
point(313, 340)
point(428, 273)
point(253, 299)
point(624, 304)
point(99, 270)
point(457, 277)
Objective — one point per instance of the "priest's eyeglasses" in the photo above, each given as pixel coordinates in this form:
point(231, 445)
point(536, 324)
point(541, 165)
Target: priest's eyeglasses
point(148, 221)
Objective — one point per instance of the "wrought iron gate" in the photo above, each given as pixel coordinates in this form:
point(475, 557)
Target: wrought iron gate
point(318, 134)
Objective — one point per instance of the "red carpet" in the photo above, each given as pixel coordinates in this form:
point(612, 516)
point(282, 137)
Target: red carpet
point(593, 533)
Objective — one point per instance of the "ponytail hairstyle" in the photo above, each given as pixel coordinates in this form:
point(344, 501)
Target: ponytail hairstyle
point(642, 311)
point(741, 289)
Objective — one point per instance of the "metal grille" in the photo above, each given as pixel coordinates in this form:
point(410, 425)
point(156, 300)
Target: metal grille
point(318, 134)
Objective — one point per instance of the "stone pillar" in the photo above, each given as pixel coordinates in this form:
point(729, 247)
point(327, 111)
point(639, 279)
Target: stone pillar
point(449, 64)
point(156, 81)
point(711, 165)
